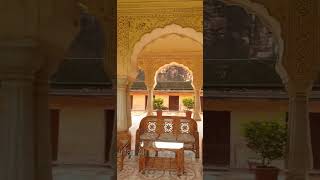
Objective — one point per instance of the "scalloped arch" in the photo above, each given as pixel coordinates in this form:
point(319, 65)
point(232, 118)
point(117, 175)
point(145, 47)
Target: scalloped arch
point(173, 64)
point(158, 33)
point(273, 25)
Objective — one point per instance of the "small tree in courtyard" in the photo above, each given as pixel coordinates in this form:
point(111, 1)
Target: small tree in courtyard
point(158, 104)
point(188, 103)
point(267, 138)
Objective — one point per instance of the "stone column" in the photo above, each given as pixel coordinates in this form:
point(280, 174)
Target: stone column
point(19, 61)
point(113, 151)
point(150, 100)
point(43, 128)
point(129, 105)
point(122, 118)
point(17, 157)
point(300, 152)
point(113, 148)
point(197, 105)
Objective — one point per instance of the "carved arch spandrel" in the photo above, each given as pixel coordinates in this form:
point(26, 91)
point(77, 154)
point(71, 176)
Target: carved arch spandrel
point(131, 28)
point(158, 33)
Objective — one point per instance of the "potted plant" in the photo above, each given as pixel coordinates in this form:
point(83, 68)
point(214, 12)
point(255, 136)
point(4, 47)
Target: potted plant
point(158, 105)
point(268, 139)
point(189, 104)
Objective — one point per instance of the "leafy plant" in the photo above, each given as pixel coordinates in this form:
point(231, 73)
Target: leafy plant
point(188, 103)
point(267, 139)
point(158, 104)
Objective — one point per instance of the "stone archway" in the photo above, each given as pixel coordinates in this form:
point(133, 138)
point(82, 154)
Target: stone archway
point(155, 34)
point(184, 65)
point(295, 69)
point(172, 64)
point(272, 24)
point(192, 62)
point(54, 57)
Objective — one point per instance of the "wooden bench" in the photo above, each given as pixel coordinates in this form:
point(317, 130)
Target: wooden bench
point(170, 129)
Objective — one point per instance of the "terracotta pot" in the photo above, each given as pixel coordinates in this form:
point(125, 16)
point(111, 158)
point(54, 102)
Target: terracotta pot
point(266, 173)
point(159, 113)
point(188, 114)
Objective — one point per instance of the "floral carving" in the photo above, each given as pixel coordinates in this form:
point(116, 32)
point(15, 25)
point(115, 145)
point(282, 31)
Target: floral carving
point(184, 128)
point(131, 27)
point(168, 127)
point(152, 126)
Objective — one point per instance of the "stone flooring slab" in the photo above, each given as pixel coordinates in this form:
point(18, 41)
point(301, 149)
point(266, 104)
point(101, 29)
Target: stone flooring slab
point(72, 172)
point(193, 171)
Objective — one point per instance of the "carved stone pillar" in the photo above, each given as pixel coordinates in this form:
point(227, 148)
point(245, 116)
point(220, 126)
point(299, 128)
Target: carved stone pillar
point(197, 105)
point(113, 151)
point(129, 108)
point(17, 125)
point(122, 118)
point(18, 63)
point(43, 128)
point(150, 100)
point(300, 152)
point(149, 74)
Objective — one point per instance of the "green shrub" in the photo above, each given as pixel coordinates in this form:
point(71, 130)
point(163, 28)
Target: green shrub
point(158, 104)
point(188, 103)
point(267, 138)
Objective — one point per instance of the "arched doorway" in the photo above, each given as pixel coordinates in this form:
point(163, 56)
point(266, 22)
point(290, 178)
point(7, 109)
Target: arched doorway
point(242, 54)
point(173, 83)
point(166, 50)
point(162, 48)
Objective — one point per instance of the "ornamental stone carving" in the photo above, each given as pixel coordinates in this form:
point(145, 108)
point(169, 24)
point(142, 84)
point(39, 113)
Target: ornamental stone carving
point(133, 23)
point(302, 42)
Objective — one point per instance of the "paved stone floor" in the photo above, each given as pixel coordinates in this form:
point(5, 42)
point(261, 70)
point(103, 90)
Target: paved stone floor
point(130, 172)
point(193, 171)
point(82, 173)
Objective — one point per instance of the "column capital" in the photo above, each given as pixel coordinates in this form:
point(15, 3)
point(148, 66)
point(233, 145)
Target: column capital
point(19, 59)
point(197, 85)
point(149, 86)
point(299, 89)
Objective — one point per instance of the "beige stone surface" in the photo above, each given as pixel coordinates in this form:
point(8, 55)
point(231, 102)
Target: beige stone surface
point(138, 102)
point(81, 135)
